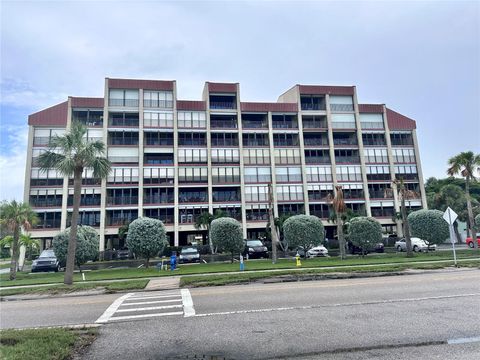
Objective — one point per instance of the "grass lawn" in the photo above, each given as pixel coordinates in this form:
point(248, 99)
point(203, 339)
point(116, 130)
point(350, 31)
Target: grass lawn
point(132, 273)
point(48, 344)
point(79, 286)
point(225, 279)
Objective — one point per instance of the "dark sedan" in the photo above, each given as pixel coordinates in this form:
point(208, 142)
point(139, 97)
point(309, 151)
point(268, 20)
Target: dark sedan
point(378, 248)
point(255, 249)
point(47, 261)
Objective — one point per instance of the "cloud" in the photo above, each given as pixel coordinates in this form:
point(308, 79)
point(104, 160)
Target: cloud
point(12, 163)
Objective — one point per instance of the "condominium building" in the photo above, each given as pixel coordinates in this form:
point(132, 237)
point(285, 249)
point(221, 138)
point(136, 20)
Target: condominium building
point(175, 159)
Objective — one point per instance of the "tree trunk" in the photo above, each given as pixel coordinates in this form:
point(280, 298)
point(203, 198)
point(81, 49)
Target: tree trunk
point(147, 261)
point(14, 261)
point(473, 232)
point(406, 227)
point(273, 229)
point(232, 257)
point(72, 242)
point(341, 238)
point(457, 234)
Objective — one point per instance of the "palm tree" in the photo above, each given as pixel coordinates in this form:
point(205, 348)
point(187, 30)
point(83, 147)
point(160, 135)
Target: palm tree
point(71, 154)
point(466, 164)
point(405, 194)
point(339, 208)
point(16, 217)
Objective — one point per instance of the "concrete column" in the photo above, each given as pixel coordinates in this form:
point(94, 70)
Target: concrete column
point(28, 165)
point(419, 169)
point(330, 141)
point(175, 162)
point(240, 150)
point(302, 156)
point(65, 191)
point(361, 153)
point(103, 189)
point(272, 165)
point(140, 152)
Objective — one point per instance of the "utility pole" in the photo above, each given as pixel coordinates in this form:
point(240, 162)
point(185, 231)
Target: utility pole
point(273, 229)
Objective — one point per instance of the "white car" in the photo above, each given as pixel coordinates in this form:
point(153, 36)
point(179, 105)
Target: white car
point(317, 251)
point(417, 245)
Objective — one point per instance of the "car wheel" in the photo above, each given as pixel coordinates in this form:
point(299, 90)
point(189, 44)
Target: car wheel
point(57, 268)
point(415, 248)
point(471, 245)
point(399, 248)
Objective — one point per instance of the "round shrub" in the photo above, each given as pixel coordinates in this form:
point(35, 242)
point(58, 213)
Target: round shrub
point(87, 245)
point(227, 235)
point(303, 230)
point(146, 238)
point(477, 221)
point(429, 225)
point(364, 232)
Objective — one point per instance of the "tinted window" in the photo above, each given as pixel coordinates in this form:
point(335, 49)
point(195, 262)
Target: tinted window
point(47, 254)
point(254, 243)
point(189, 251)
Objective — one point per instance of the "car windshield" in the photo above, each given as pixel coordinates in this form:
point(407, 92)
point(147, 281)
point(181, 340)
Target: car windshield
point(189, 251)
point(254, 243)
point(47, 254)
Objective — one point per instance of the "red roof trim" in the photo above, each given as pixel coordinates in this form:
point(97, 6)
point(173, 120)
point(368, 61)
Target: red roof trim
point(191, 105)
point(222, 87)
point(398, 121)
point(87, 102)
point(55, 115)
point(370, 108)
point(265, 107)
point(322, 90)
point(140, 84)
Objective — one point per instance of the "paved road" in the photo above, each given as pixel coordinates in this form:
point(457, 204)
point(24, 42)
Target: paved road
point(401, 317)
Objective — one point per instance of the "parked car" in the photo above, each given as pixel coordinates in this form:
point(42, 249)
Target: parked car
point(122, 253)
point(189, 254)
point(317, 251)
point(352, 249)
point(47, 261)
point(255, 249)
point(417, 245)
point(470, 243)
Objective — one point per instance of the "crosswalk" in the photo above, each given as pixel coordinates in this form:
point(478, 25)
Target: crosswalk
point(154, 304)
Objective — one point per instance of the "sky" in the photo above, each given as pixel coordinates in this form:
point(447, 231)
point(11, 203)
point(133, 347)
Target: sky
point(421, 58)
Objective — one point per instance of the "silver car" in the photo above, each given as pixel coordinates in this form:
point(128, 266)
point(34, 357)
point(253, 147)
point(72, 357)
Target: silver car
point(417, 245)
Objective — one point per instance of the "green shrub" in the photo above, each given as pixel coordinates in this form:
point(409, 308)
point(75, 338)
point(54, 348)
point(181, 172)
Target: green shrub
point(429, 225)
point(146, 238)
point(227, 235)
point(87, 245)
point(303, 230)
point(365, 232)
point(477, 222)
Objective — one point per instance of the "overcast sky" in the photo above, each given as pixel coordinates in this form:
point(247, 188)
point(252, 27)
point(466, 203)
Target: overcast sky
point(422, 59)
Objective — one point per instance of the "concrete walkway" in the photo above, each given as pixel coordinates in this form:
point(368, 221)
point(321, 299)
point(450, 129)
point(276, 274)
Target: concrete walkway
point(165, 283)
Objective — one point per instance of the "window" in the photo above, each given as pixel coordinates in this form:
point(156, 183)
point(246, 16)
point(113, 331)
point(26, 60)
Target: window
point(118, 97)
point(226, 194)
point(357, 208)
point(88, 117)
point(312, 102)
point(158, 99)
point(45, 178)
point(225, 156)
point(319, 174)
point(406, 172)
point(189, 215)
point(157, 159)
point(380, 191)
point(254, 121)
point(256, 193)
point(165, 215)
point(353, 191)
point(46, 198)
point(158, 175)
point(221, 175)
point(43, 136)
point(123, 119)
point(321, 210)
point(223, 121)
point(284, 121)
point(158, 138)
point(378, 156)
point(257, 212)
point(343, 121)
point(287, 156)
point(317, 156)
point(315, 139)
point(122, 196)
point(378, 173)
point(256, 156)
point(122, 138)
point(90, 197)
point(123, 154)
point(192, 139)
point(347, 156)
point(192, 175)
point(320, 192)
point(371, 121)
point(158, 119)
point(290, 209)
point(345, 138)
point(224, 139)
point(193, 156)
point(288, 174)
point(399, 139)
point(314, 121)
point(374, 139)
point(120, 217)
point(223, 101)
point(123, 176)
point(255, 139)
point(341, 103)
point(349, 173)
point(156, 195)
point(90, 218)
point(285, 140)
point(192, 119)
point(289, 193)
point(193, 195)
point(257, 175)
point(48, 220)
point(385, 209)
point(403, 155)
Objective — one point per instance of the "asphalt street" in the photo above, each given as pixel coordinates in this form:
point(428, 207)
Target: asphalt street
point(397, 317)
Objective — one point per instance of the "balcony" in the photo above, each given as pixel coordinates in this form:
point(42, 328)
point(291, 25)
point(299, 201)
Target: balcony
point(123, 120)
point(123, 138)
point(48, 224)
point(226, 195)
point(312, 102)
point(91, 200)
point(381, 194)
point(158, 139)
point(223, 122)
point(228, 102)
point(314, 122)
point(284, 121)
point(123, 102)
point(315, 139)
point(164, 198)
point(90, 118)
point(401, 139)
point(341, 107)
point(255, 140)
point(280, 140)
point(254, 121)
point(122, 200)
point(43, 201)
point(347, 159)
point(199, 195)
point(374, 140)
point(257, 215)
point(345, 139)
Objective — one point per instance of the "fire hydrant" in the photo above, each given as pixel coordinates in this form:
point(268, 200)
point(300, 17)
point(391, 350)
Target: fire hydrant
point(173, 261)
point(297, 257)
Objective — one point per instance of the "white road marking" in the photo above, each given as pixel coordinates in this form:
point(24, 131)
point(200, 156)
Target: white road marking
point(152, 297)
point(188, 308)
point(150, 308)
point(308, 307)
point(151, 302)
point(464, 340)
point(145, 316)
point(112, 308)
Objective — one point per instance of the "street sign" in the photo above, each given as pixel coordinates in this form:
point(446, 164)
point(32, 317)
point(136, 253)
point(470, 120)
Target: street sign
point(450, 216)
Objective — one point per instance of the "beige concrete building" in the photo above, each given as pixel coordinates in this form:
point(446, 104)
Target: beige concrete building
point(174, 159)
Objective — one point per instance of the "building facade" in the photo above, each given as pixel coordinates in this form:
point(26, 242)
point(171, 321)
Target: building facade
point(174, 159)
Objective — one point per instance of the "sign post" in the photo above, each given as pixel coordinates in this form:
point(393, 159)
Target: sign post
point(450, 216)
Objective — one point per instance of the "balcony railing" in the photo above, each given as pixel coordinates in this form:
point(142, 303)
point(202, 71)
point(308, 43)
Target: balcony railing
point(223, 124)
point(371, 125)
point(317, 159)
point(123, 102)
point(311, 106)
point(315, 141)
point(182, 198)
point(381, 194)
point(41, 140)
point(347, 159)
point(95, 201)
point(343, 125)
point(321, 124)
point(341, 107)
point(122, 141)
point(250, 124)
point(345, 142)
point(122, 200)
point(158, 199)
point(223, 105)
point(123, 122)
point(49, 224)
point(289, 178)
point(165, 104)
point(46, 202)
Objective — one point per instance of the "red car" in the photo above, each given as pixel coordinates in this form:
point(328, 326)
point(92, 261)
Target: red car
point(470, 244)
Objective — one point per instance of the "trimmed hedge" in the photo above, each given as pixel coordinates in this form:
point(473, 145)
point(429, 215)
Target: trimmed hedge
point(146, 237)
point(365, 232)
point(87, 245)
point(429, 225)
point(303, 230)
point(227, 235)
